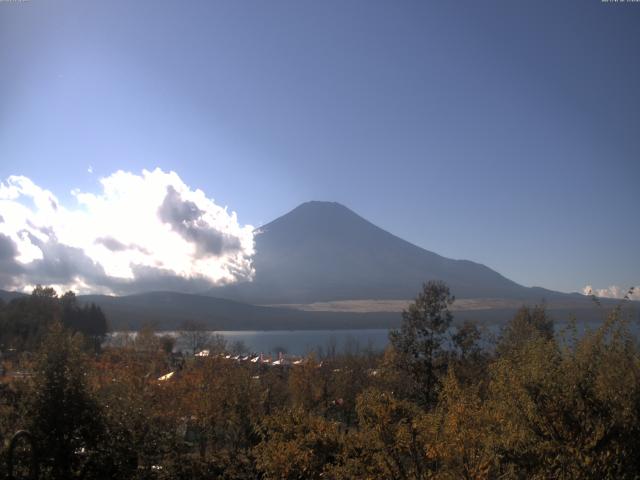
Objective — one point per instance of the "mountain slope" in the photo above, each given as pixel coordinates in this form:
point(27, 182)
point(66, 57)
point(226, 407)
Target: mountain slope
point(168, 310)
point(323, 251)
point(7, 296)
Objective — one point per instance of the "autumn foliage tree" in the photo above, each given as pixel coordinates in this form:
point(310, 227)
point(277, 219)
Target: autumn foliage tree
point(436, 404)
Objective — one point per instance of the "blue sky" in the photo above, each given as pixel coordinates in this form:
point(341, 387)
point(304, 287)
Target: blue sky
point(503, 132)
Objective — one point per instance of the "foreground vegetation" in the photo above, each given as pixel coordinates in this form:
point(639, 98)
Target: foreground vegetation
point(435, 404)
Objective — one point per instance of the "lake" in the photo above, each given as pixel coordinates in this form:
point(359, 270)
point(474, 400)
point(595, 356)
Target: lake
point(293, 342)
point(301, 342)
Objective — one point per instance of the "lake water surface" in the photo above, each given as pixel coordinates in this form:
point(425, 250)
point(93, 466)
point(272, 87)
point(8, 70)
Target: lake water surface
point(301, 342)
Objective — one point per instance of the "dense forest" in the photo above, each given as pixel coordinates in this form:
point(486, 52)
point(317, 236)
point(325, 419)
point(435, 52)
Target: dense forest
point(439, 402)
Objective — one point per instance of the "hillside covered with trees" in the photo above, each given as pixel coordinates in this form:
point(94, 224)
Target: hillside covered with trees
point(439, 402)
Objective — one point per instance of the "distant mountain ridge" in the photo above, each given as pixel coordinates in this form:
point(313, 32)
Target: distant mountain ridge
point(169, 310)
point(323, 251)
point(7, 296)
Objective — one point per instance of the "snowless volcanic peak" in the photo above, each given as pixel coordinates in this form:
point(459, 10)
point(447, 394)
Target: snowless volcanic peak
point(322, 251)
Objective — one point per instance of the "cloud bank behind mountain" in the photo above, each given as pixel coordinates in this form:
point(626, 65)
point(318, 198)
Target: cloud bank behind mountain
point(613, 291)
point(141, 232)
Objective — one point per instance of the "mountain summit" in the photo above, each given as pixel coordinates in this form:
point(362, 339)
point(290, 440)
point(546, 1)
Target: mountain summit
point(322, 251)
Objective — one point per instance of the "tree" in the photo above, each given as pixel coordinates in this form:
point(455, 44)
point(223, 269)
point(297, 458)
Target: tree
point(216, 343)
point(297, 445)
point(570, 412)
point(388, 443)
point(466, 338)
point(27, 319)
point(96, 325)
point(195, 335)
point(418, 343)
point(88, 319)
point(167, 343)
point(527, 325)
point(470, 360)
point(308, 385)
point(63, 416)
point(460, 431)
point(146, 339)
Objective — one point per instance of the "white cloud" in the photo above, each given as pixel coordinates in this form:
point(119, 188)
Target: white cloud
point(141, 232)
point(613, 291)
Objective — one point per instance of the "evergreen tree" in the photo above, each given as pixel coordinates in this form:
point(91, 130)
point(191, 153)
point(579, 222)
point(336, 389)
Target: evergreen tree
point(63, 416)
point(418, 343)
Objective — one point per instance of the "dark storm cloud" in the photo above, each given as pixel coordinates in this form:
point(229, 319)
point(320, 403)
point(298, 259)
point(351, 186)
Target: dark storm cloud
point(149, 279)
point(38, 245)
point(10, 269)
point(8, 249)
point(176, 211)
point(186, 218)
point(62, 264)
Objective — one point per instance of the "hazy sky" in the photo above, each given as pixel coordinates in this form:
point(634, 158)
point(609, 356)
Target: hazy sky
point(503, 132)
